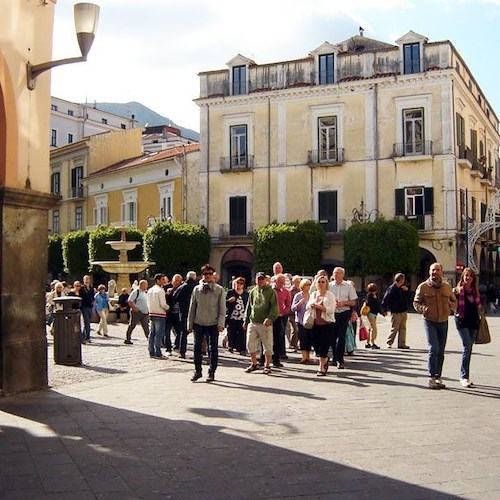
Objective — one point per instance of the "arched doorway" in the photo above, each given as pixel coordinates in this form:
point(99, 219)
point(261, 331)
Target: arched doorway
point(237, 261)
point(426, 259)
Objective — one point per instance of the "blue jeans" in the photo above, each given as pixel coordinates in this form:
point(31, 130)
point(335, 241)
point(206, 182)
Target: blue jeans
point(212, 335)
point(468, 336)
point(156, 333)
point(87, 316)
point(437, 334)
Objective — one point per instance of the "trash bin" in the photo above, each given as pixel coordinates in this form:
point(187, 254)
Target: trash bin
point(67, 332)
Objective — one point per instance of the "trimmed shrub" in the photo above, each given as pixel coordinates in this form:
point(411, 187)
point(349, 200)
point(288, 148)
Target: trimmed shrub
point(98, 250)
point(76, 253)
point(55, 258)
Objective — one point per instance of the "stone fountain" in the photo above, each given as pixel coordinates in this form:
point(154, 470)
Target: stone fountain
point(123, 267)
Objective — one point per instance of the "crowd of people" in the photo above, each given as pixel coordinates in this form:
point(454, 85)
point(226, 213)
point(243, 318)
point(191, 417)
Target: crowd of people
point(319, 315)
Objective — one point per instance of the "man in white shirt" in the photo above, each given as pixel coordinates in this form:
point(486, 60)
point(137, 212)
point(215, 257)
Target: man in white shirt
point(157, 307)
point(346, 297)
point(138, 304)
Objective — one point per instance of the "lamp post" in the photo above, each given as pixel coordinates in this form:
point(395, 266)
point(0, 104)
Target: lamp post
point(86, 18)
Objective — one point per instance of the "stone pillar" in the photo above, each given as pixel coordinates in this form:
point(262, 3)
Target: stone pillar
point(23, 273)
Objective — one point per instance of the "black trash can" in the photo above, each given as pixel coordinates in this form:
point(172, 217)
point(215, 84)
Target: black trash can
point(67, 332)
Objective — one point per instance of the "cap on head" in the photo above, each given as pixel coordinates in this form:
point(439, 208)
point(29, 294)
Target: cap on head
point(260, 274)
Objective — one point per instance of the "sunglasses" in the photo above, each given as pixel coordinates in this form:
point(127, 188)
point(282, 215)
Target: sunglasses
point(207, 274)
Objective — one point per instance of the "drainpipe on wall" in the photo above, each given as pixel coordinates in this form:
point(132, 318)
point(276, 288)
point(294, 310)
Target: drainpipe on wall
point(184, 185)
point(269, 160)
point(208, 166)
point(375, 141)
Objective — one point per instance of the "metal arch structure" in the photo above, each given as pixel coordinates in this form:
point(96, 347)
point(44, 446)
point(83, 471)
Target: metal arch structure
point(476, 229)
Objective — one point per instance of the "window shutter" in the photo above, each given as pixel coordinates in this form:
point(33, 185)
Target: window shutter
point(400, 201)
point(429, 200)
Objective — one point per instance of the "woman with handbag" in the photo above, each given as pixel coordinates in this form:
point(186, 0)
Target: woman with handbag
point(299, 303)
point(467, 318)
point(322, 303)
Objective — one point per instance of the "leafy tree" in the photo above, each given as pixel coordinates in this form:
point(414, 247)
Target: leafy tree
point(99, 250)
point(177, 247)
point(297, 245)
point(76, 253)
point(381, 247)
point(55, 260)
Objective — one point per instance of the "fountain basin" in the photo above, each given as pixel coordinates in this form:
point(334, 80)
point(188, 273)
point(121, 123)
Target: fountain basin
point(122, 245)
point(123, 267)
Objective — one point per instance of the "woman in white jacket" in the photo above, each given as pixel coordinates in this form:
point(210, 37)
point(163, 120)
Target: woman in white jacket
point(322, 302)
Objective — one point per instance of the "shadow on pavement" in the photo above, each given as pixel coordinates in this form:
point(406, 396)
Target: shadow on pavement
point(64, 447)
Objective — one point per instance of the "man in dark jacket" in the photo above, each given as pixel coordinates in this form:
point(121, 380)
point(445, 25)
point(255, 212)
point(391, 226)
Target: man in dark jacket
point(87, 293)
point(396, 300)
point(183, 298)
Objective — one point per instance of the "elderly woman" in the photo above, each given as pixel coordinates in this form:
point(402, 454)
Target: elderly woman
point(299, 303)
point(102, 309)
point(373, 303)
point(322, 302)
point(52, 306)
point(236, 301)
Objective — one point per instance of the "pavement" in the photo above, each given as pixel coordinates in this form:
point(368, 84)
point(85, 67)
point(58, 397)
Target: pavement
point(125, 426)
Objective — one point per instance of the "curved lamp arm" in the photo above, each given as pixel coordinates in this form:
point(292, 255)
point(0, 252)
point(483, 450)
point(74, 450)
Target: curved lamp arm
point(86, 19)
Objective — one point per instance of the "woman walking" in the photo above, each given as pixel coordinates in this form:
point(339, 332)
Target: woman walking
point(299, 304)
point(467, 318)
point(236, 301)
point(102, 309)
point(374, 304)
point(322, 303)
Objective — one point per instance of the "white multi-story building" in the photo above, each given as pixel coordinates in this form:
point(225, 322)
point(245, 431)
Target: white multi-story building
point(71, 122)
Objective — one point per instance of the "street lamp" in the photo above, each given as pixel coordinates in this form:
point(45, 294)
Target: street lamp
point(86, 18)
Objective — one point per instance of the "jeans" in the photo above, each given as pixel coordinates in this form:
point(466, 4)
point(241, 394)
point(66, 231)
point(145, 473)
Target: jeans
point(437, 334)
point(156, 333)
point(87, 316)
point(172, 322)
point(468, 336)
point(211, 333)
point(338, 335)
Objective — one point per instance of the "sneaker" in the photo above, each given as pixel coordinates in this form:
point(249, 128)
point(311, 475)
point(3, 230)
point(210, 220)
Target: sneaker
point(433, 384)
point(251, 368)
point(278, 365)
point(341, 366)
point(267, 370)
point(440, 383)
point(210, 378)
point(196, 376)
point(375, 346)
point(128, 342)
point(403, 346)
point(465, 382)
point(389, 346)
point(368, 346)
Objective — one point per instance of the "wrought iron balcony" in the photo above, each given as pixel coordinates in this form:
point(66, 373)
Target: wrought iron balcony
point(76, 192)
point(415, 148)
point(325, 158)
point(235, 229)
point(240, 163)
point(465, 156)
point(422, 222)
point(333, 225)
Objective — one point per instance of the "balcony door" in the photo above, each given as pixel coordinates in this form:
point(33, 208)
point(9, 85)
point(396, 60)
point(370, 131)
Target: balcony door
point(238, 215)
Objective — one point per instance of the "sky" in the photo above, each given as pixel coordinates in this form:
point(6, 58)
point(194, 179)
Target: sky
point(151, 51)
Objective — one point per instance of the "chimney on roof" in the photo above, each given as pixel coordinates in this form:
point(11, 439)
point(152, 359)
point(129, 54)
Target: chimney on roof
point(361, 31)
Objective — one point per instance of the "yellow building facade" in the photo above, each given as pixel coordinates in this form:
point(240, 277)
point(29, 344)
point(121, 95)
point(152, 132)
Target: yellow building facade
point(400, 130)
point(145, 189)
point(25, 36)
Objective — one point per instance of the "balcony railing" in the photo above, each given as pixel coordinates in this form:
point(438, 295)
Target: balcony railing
point(235, 229)
point(333, 225)
point(415, 148)
point(325, 158)
point(236, 163)
point(76, 192)
point(422, 222)
point(465, 156)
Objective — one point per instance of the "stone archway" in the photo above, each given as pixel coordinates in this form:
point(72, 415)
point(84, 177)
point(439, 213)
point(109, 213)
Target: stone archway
point(426, 259)
point(237, 261)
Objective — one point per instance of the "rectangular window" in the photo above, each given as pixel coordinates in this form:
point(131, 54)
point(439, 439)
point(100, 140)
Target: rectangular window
point(76, 182)
point(326, 69)
point(327, 138)
point(462, 210)
point(104, 120)
point(238, 215)
point(129, 213)
point(78, 218)
point(55, 221)
point(474, 209)
point(411, 58)
point(53, 107)
point(55, 183)
point(414, 203)
point(70, 112)
point(238, 146)
point(100, 215)
point(473, 144)
point(460, 130)
point(166, 206)
point(413, 131)
point(328, 211)
point(70, 138)
point(53, 138)
point(239, 80)
point(123, 126)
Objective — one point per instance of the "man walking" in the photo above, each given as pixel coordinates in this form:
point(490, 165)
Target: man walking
point(279, 324)
point(206, 317)
point(396, 301)
point(138, 303)
point(260, 313)
point(345, 297)
point(87, 293)
point(435, 300)
point(173, 320)
point(183, 298)
point(157, 308)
